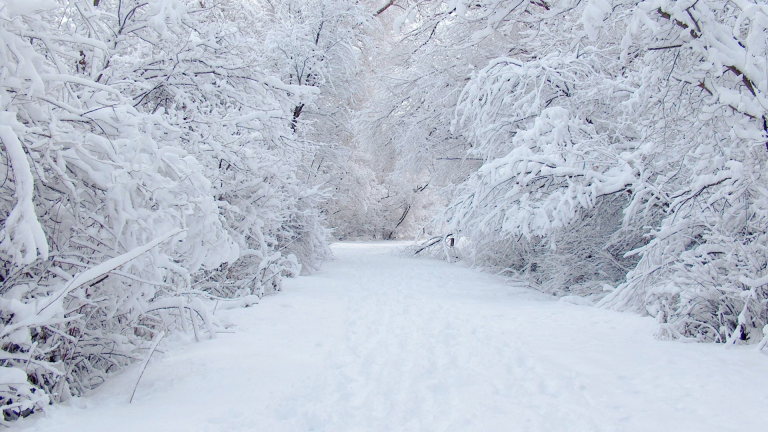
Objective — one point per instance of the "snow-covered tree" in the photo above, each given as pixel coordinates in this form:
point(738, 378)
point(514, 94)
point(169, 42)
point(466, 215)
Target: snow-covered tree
point(150, 167)
point(414, 83)
point(322, 44)
point(624, 145)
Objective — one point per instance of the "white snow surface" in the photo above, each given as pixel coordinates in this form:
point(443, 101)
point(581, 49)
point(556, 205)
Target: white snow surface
point(380, 342)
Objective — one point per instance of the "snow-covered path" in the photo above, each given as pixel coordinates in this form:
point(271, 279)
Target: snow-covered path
point(377, 342)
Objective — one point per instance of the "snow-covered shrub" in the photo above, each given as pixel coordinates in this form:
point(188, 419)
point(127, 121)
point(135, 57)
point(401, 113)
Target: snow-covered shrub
point(148, 166)
point(633, 128)
point(104, 217)
point(552, 208)
point(703, 272)
point(237, 119)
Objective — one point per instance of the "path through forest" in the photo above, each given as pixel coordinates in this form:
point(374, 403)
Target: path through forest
point(380, 342)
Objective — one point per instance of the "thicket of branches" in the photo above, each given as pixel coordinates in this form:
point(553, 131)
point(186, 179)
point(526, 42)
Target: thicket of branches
point(155, 167)
point(623, 150)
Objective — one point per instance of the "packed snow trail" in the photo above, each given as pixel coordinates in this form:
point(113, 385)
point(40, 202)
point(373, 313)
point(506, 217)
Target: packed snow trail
point(379, 342)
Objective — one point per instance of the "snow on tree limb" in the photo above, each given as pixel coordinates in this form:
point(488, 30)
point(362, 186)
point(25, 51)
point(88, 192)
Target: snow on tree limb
point(22, 236)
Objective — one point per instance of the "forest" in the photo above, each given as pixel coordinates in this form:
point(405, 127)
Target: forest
point(165, 159)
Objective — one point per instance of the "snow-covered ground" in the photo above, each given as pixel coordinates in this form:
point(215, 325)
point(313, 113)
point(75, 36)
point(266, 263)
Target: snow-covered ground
point(378, 342)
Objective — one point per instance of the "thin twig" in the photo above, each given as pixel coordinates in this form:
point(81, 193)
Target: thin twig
point(152, 348)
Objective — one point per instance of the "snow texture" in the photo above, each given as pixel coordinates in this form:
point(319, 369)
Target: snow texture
point(379, 342)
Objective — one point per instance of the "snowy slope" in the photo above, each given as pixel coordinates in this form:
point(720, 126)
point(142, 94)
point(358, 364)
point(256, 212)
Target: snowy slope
point(377, 342)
